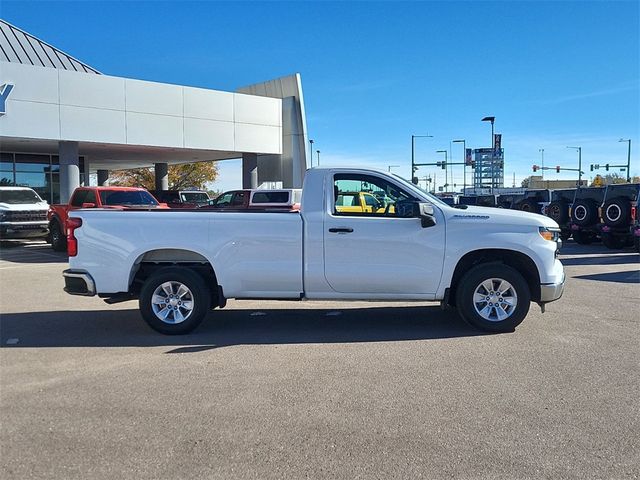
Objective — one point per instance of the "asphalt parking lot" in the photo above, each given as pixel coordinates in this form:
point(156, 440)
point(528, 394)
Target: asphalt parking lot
point(319, 390)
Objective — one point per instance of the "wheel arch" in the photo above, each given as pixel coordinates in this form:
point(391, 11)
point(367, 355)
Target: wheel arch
point(155, 259)
point(517, 260)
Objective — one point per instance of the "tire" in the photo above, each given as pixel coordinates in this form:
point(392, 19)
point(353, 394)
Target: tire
point(617, 212)
point(613, 242)
point(565, 235)
point(58, 239)
point(584, 212)
point(558, 211)
point(483, 281)
point(183, 310)
point(636, 243)
point(582, 238)
point(529, 206)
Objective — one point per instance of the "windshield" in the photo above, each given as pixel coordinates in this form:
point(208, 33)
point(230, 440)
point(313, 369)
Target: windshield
point(110, 197)
point(432, 198)
point(194, 197)
point(19, 196)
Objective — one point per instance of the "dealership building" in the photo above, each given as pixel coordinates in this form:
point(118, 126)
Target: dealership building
point(62, 120)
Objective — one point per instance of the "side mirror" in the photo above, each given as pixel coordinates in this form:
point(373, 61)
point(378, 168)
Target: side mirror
point(422, 210)
point(88, 205)
point(425, 212)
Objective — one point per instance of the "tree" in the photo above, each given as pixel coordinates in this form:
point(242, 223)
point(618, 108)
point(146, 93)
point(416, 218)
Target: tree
point(188, 175)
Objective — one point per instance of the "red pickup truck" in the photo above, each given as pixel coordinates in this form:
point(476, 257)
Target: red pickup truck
point(95, 197)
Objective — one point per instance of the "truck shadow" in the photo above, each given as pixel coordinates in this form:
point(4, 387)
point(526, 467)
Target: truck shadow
point(630, 276)
point(622, 258)
point(223, 328)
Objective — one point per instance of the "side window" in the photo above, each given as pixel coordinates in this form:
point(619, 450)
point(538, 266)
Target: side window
point(367, 195)
point(90, 197)
point(239, 199)
point(78, 198)
point(224, 200)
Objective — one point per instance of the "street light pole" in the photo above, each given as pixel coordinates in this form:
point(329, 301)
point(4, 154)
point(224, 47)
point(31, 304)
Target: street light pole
point(541, 150)
point(579, 149)
point(318, 163)
point(311, 151)
point(628, 158)
point(413, 152)
point(493, 146)
point(389, 167)
point(464, 166)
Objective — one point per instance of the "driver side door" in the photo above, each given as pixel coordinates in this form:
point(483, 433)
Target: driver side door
point(377, 252)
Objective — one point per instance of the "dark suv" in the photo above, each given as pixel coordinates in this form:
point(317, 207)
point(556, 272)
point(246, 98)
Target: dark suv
point(584, 214)
point(616, 214)
point(558, 209)
point(478, 200)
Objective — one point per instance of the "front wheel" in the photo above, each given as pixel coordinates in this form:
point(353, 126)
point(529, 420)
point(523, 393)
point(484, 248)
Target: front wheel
point(582, 238)
point(174, 301)
point(493, 297)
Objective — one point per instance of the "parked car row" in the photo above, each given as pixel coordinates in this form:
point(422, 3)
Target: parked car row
point(587, 214)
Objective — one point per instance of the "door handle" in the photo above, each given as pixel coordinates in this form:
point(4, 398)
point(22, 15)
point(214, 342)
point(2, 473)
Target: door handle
point(341, 230)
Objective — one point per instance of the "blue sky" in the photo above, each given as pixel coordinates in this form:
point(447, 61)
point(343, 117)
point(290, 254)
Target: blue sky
point(554, 74)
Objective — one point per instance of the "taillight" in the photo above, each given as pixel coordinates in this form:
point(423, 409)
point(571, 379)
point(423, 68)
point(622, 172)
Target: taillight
point(72, 242)
point(634, 213)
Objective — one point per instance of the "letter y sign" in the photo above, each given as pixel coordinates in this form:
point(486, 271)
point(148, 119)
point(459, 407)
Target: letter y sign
point(5, 90)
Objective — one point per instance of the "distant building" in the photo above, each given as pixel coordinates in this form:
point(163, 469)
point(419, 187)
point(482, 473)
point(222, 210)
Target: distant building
point(536, 181)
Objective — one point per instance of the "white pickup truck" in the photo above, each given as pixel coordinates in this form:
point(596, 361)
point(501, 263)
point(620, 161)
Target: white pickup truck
point(488, 263)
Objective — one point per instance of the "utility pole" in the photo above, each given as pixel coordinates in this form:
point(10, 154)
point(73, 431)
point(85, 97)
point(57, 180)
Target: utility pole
point(628, 158)
point(579, 149)
point(413, 154)
point(318, 163)
point(541, 150)
point(311, 152)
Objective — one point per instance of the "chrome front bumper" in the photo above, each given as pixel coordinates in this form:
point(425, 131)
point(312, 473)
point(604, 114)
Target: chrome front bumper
point(78, 282)
point(551, 292)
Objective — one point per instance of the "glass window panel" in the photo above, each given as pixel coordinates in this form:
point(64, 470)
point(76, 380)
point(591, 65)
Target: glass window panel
point(32, 163)
point(31, 179)
point(6, 178)
point(6, 162)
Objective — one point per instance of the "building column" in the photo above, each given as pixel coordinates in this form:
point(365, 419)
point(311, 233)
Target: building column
point(69, 169)
point(86, 177)
point(249, 170)
point(162, 176)
point(103, 178)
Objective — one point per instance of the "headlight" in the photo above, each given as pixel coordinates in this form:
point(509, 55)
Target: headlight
point(551, 234)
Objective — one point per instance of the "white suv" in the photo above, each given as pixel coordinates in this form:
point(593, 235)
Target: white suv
point(23, 214)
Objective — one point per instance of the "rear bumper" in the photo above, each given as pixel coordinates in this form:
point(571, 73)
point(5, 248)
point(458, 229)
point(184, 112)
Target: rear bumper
point(550, 292)
point(78, 282)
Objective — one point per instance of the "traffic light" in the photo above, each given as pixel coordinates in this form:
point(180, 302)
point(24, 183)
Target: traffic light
point(414, 179)
point(592, 167)
point(444, 165)
point(606, 167)
point(535, 168)
point(473, 164)
point(557, 168)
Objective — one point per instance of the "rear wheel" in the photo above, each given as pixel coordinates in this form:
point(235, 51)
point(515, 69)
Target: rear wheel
point(529, 206)
point(582, 238)
point(613, 242)
point(558, 211)
point(174, 300)
point(58, 239)
point(493, 297)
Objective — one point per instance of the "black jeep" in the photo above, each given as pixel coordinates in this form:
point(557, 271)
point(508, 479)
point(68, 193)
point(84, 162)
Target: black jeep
point(616, 214)
point(558, 209)
point(583, 217)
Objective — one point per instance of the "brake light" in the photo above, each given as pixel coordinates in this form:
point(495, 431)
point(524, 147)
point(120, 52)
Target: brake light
point(634, 213)
point(72, 242)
